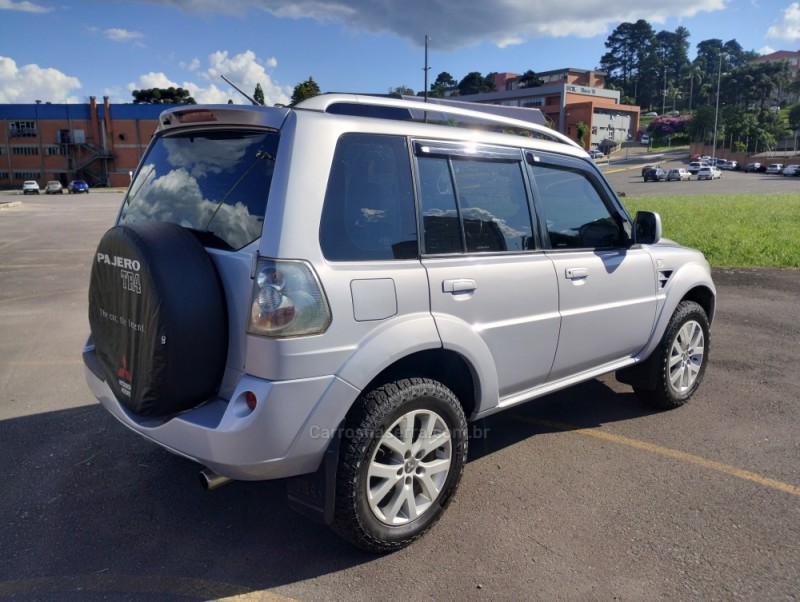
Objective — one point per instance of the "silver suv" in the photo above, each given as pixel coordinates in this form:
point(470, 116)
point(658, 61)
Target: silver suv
point(329, 292)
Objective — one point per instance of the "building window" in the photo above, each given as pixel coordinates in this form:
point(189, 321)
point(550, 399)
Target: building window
point(533, 102)
point(3, 175)
point(27, 175)
point(55, 150)
point(22, 129)
point(25, 150)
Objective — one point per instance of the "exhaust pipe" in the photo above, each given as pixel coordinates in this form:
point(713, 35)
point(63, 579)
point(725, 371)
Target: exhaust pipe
point(211, 480)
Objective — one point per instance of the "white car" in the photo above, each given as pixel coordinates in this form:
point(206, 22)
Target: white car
point(774, 168)
point(678, 174)
point(791, 170)
point(30, 187)
point(709, 173)
point(696, 166)
point(645, 139)
point(596, 154)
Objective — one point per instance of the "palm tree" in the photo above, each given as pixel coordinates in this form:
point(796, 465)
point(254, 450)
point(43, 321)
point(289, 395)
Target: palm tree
point(694, 71)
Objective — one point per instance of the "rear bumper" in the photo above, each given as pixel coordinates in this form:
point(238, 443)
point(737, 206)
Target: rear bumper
point(286, 435)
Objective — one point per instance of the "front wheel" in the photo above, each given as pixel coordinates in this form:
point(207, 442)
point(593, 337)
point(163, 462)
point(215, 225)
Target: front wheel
point(403, 452)
point(681, 357)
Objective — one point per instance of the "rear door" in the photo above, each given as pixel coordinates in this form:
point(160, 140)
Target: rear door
point(607, 288)
point(492, 289)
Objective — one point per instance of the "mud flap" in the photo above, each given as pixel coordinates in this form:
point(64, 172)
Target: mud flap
point(314, 495)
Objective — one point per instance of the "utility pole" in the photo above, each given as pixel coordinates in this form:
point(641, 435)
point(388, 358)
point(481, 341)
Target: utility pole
point(716, 110)
point(427, 68)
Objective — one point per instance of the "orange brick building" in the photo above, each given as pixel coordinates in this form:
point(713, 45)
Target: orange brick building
point(566, 98)
point(99, 143)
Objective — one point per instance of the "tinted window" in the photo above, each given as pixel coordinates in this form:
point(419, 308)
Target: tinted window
point(215, 183)
point(575, 213)
point(369, 204)
point(475, 205)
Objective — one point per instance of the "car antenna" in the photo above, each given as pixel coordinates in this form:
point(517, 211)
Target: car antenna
point(240, 91)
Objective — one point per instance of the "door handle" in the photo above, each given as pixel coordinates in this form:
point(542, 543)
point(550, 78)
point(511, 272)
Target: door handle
point(461, 285)
point(577, 273)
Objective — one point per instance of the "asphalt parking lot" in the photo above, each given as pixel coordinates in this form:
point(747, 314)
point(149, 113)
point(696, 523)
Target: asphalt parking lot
point(582, 495)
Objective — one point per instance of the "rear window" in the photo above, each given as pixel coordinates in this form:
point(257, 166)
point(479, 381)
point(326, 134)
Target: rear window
point(213, 183)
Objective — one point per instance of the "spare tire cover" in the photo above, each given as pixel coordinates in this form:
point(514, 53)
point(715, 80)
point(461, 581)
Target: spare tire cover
point(158, 317)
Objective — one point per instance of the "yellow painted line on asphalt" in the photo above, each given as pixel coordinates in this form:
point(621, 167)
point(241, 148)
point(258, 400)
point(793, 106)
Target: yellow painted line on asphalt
point(665, 451)
point(14, 242)
point(41, 363)
point(50, 293)
point(130, 586)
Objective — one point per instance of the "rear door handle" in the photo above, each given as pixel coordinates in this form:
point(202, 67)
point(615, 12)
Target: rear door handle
point(577, 273)
point(461, 285)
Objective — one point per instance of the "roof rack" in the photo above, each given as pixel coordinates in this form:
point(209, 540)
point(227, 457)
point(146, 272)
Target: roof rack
point(386, 107)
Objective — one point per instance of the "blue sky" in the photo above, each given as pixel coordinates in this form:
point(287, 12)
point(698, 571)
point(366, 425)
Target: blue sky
point(67, 50)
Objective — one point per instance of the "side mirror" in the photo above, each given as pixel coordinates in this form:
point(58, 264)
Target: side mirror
point(646, 228)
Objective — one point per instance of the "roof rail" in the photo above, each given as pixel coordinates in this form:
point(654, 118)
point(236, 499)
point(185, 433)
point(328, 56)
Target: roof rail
point(365, 105)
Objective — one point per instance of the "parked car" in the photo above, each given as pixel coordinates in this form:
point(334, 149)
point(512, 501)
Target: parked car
point(646, 167)
point(336, 336)
point(694, 158)
point(678, 174)
point(645, 139)
point(596, 154)
point(730, 165)
point(78, 186)
point(54, 187)
point(650, 114)
point(30, 187)
point(654, 174)
point(755, 167)
point(695, 166)
point(709, 173)
point(791, 170)
point(775, 168)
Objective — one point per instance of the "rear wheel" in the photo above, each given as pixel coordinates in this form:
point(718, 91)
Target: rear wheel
point(403, 453)
point(681, 358)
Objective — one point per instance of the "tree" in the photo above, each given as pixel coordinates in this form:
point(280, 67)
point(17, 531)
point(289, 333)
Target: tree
point(475, 83)
point(258, 95)
point(402, 91)
point(630, 58)
point(529, 79)
point(163, 96)
point(306, 89)
point(693, 72)
point(444, 83)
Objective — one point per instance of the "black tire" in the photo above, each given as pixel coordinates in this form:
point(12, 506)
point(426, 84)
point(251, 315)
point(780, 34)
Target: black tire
point(680, 359)
point(158, 318)
point(378, 525)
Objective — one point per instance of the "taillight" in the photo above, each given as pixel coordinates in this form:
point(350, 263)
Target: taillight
point(287, 300)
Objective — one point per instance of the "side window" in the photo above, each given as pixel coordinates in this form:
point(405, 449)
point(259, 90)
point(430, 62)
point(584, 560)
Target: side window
point(575, 213)
point(368, 212)
point(473, 205)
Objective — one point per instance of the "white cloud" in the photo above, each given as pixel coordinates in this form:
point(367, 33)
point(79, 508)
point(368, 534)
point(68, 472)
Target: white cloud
point(194, 65)
point(244, 69)
point(122, 35)
point(30, 82)
point(789, 28)
point(766, 50)
point(25, 7)
point(454, 24)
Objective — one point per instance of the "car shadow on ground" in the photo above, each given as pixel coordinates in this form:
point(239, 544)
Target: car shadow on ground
point(90, 506)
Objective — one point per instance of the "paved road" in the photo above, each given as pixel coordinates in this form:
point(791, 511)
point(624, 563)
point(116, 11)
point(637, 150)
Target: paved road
point(583, 495)
point(625, 175)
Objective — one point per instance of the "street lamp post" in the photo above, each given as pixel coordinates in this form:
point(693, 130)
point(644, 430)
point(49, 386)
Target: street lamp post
point(716, 110)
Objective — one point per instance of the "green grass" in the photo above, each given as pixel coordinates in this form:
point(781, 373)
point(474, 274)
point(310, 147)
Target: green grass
point(738, 230)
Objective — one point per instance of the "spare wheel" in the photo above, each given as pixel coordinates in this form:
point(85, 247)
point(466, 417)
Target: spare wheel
point(158, 317)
